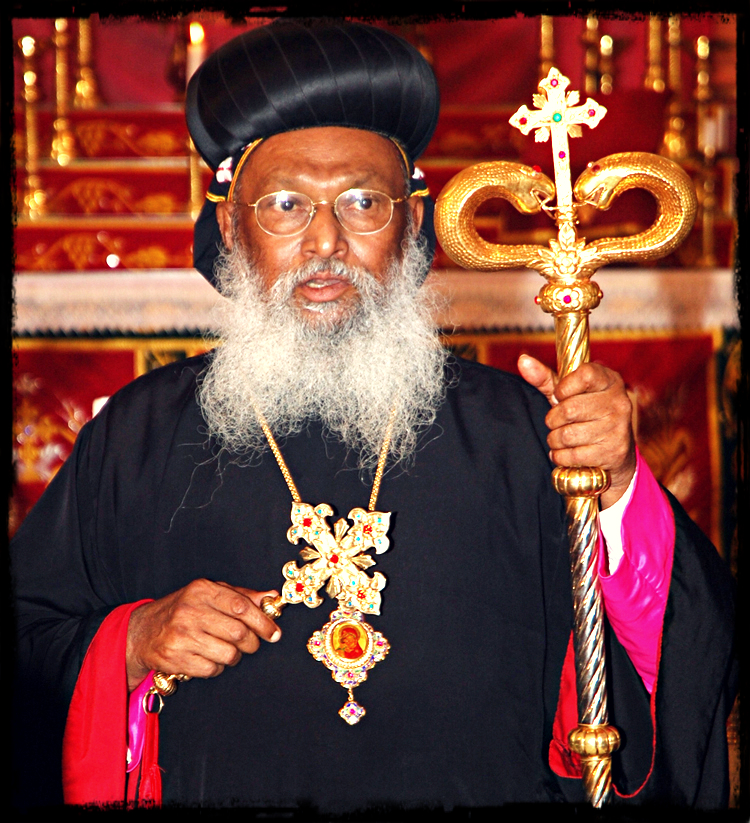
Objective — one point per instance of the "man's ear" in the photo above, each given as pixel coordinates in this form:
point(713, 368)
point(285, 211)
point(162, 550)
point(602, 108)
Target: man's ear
point(224, 219)
point(416, 204)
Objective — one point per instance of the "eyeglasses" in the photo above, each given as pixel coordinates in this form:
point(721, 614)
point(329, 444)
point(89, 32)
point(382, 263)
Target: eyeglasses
point(360, 211)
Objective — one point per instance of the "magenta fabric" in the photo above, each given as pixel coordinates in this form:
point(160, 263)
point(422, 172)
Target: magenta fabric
point(635, 595)
point(137, 721)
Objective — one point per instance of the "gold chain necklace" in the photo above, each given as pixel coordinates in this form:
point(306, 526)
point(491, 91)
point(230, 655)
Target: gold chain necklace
point(346, 645)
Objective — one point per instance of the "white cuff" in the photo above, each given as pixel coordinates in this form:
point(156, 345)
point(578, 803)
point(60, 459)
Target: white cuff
point(610, 525)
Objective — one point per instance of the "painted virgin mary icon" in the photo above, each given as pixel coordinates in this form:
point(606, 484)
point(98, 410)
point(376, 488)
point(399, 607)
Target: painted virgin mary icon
point(348, 643)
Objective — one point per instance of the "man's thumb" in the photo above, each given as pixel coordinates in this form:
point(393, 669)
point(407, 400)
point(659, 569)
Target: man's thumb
point(538, 375)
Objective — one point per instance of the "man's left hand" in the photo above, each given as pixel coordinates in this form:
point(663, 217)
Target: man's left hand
point(590, 421)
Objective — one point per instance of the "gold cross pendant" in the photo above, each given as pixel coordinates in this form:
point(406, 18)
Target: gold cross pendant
point(336, 557)
point(347, 645)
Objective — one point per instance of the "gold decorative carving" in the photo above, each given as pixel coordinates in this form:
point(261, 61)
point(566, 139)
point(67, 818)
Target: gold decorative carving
point(63, 143)
point(97, 195)
point(42, 440)
point(654, 80)
point(94, 135)
point(591, 55)
point(674, 144)
point(86, 250)
point(153, 357)
point(666, 445)
point(35, 198)
point(546, 44)
point(197, 187)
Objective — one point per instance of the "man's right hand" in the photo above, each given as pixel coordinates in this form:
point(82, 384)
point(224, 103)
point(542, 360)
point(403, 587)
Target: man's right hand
point(197, 631)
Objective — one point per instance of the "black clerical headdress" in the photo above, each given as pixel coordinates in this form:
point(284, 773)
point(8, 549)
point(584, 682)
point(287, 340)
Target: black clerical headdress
point(294, 75)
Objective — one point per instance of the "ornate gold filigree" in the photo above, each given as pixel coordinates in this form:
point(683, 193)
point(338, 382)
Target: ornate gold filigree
point(42, 440)
point(85, 250)
point(93, 136)
point(101, 195)
point(336, 557)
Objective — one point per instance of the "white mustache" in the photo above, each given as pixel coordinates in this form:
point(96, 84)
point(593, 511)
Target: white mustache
point(362, 279)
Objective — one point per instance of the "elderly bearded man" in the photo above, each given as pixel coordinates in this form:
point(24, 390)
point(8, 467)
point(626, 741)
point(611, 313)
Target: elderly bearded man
point(168, 525)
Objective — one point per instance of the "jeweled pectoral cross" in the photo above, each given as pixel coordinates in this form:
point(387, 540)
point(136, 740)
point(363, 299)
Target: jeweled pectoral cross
point(570, 295)
point(336, 558)
point(347, 645)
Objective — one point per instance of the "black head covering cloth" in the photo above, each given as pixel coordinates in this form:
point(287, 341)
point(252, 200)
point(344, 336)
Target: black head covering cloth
point(289, 75)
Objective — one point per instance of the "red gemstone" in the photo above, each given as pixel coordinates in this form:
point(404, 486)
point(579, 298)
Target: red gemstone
point(307, 521)
point(595, 167)
point(360, 594)
point(537, 169)
point(523, 121)
point(567, 298)
point(299, 587)
point(367, 529)
point(591, 112)
point(553, 82)
point(334, 558)
point(561, 155)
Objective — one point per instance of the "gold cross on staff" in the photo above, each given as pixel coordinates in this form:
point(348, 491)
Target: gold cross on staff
point(558, 115)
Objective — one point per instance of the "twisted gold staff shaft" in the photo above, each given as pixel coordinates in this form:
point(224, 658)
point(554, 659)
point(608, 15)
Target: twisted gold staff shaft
point(568, 264)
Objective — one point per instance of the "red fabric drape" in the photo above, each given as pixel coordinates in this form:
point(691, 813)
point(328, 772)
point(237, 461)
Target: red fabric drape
point(96, 733)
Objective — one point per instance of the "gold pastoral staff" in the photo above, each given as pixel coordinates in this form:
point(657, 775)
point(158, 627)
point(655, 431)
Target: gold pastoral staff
point(568, 264)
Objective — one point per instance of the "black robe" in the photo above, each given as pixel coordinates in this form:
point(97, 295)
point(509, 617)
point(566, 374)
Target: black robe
point(477, 610)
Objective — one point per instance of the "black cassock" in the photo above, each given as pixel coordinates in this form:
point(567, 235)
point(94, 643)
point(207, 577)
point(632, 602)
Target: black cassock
point(477, 610)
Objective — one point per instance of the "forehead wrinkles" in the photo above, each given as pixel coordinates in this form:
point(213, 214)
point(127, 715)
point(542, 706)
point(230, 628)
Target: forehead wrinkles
point(272, 167)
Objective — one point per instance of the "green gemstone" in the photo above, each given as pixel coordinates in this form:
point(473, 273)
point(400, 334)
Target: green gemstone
point(557, 117)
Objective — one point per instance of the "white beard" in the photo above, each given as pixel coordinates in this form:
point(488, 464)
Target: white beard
point(348, 372)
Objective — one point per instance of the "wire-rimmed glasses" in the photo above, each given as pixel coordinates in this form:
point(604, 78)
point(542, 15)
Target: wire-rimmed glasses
point(360, 211)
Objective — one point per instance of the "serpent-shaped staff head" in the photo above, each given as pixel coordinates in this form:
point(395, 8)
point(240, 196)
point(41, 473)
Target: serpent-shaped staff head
point(602, 182)
point(599, 185)
point(528, 190)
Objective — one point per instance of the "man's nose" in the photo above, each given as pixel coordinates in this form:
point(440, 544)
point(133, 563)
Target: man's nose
point(325, 236)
